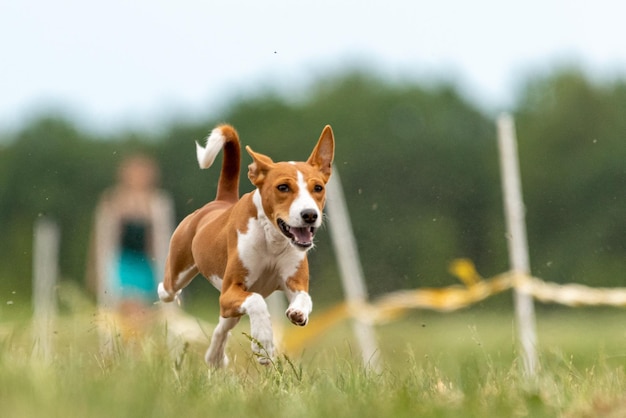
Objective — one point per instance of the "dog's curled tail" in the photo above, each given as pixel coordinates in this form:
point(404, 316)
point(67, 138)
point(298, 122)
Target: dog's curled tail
point(226, 137)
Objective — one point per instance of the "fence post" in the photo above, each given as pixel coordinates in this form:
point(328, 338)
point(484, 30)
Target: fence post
point(45, 271)
point(351, 273)
point(517, 242)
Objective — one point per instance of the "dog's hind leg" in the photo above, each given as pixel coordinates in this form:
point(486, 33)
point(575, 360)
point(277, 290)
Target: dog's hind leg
point(215, 356)
point(180, 266)
point(173, 284)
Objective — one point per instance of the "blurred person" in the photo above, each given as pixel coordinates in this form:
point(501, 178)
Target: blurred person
point(133, 225)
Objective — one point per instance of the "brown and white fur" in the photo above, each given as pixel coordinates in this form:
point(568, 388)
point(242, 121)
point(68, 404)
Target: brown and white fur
point(251, 246)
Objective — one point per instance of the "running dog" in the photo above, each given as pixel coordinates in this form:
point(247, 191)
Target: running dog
point(251, 246)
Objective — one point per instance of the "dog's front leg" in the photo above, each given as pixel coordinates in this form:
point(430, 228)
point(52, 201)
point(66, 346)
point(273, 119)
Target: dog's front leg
point(234, 301)
point(300, 306)
point(260, 327)
point(296, 289)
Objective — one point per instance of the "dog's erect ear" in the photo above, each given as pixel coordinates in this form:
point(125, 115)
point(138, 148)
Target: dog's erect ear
point(259, 167)
point(323, 153)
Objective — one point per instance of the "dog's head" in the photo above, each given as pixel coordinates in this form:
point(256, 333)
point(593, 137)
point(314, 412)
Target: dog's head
point(293, 194)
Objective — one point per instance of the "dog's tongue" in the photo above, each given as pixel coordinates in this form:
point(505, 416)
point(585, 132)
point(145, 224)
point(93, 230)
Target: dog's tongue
point(302, 235)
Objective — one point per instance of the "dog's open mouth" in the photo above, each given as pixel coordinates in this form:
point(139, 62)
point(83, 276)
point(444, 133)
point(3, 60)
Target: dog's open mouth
point(301, 237)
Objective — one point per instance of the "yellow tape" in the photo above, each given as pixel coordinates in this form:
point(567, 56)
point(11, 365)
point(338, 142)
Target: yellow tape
point(393, 305)
point(297, 338)
point(571, 294)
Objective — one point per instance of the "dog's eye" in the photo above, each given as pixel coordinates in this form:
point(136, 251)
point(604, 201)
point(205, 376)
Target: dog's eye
point(318, 188)
point(283, 188)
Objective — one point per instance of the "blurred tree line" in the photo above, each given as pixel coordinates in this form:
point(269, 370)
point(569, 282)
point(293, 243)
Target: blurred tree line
point(418, 165)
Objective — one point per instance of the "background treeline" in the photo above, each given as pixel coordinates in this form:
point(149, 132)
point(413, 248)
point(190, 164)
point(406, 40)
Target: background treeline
point(418, 164)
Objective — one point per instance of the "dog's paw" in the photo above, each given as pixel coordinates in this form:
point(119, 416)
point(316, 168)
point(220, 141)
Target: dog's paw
point(216, 360)
point(263, 348)
point(297, 317)
point(166, 296)
point(299, 308)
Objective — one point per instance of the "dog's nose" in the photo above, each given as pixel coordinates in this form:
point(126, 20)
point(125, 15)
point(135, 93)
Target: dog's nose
point(309, 215)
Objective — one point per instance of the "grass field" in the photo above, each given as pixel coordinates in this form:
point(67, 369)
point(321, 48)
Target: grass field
point(435, 365)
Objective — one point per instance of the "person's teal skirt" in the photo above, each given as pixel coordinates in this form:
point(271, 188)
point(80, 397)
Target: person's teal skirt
point(136, 277)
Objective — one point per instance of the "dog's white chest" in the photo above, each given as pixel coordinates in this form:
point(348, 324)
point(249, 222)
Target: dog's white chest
point(269, 258)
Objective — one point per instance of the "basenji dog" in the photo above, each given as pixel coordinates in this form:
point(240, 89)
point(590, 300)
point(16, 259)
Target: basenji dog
point(251, 246)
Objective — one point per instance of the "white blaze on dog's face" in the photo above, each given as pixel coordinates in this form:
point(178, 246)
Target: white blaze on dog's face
point(293, 194)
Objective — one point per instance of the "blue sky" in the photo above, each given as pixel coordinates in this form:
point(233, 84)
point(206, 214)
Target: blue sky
point(116, 64)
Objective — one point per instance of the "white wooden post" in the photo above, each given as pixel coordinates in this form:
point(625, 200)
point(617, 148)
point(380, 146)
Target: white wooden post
point(517, 242)
point(45, 272)
point(350, 269)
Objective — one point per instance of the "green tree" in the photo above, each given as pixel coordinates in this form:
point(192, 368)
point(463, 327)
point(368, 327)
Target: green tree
point(418, 166)
point(51, 169)
point(572, 147)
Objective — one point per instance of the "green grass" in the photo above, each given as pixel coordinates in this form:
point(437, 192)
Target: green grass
point(435, 365)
